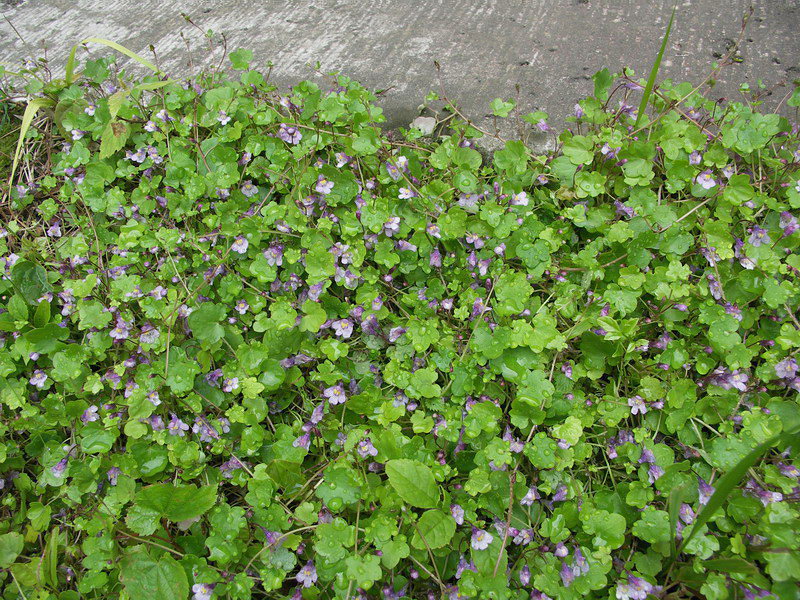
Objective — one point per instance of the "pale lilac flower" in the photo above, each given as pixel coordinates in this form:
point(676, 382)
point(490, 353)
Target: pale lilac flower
point(787, 368)
point(391, 226)
point(525, 572)
point(304, 441)
point(89, 110)
point(406, 193)
point(289, 134)
point(241, 306)
point(653, 473)
point(90, 414)
point(530, 496)
point(240, 245)
point(335, 394)
point(567, 574)
point(151, 127)
point(176, 426)
point(230, 384)
point(164, 116)
point(274, 255)
point(395, 333)
point(788, 223)
point(60, 467)
point(324, 186)
point(433, 231)
point(223, 118)
point(686, 514)
point(635, 588)
point(759, 236)
point(248, 189)
point(458, 513)
point(342, 159)
point(695, 158)
point(343, 328)
point(307, 576)
point(561, 493)
point(366, 448)
point(520, 199)
point(705, 491)
point(154, 398)
point(705, 180)
point(149, 334)
point(77, 134)
point(38, 379)
point(578, 115)
point(481, 539)
point(112, 474)
point(202, 591)
point(638, 406)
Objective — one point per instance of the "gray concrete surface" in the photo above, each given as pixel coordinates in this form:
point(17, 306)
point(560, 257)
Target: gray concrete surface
point(549, 48)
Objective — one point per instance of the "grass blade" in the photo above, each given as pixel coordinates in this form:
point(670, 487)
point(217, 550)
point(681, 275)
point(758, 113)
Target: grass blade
point(27, 118)
point(123, 50)
point(651, 80)
point(676, 498)
point(730, 480)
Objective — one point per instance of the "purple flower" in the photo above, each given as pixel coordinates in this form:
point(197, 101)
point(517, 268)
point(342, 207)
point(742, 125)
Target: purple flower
point(90, 414)
point(481, 539)
point(324, 186)
point(787, 368)
point(113, 473)
point(561, 493)
point(38, 379)
point(635, 588)
point(458, 513)
point(653, 473)
point(274, 255)
point(248, 189)
point(391, 226)
point(530, 496)
point(705, 180)
point(241, 306)
point(695, 158)
point(240, 245)
point(366, 448)
point(788, 223)
point(705, 491)
point(567, 574)
point(343, 328)
point(638, 406)
point(176, 426)
point(202, 591)
point(307, 576)
point(520, 199)
point(335, 394)
point(290, 135)
point(759, 236)
point(223, 118)
point(230, 384)
point(395, 333)
point(406, 193)
point(60, 467)
point(154, 398)
point(149, 334)
point(120, 332)
point(524, 575)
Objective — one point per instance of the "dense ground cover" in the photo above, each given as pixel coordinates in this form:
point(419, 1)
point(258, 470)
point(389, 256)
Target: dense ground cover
point(255, 347)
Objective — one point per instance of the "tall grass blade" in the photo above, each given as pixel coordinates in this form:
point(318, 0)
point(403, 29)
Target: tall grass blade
point(651, 80)
point(730, 480)
point(70, 70)
point(27, 118)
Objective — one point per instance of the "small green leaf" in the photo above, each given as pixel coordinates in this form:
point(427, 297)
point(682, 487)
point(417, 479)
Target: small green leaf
point(413, 482)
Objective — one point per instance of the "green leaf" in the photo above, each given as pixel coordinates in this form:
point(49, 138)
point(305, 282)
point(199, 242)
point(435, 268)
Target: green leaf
point(436, 527)
point(413, 482)
point(11, 545)
point(241, 58)
point(205, 322)
point(501, 108)
point(177, 502)
point(30, 280)
point(146, 577)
